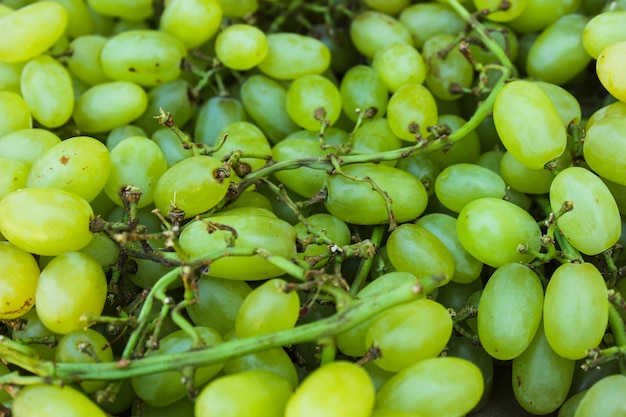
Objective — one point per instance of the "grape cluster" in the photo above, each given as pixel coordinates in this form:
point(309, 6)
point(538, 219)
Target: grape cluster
point(311, 208)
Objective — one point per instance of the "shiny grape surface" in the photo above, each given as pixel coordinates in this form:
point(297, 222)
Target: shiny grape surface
point(351, 208)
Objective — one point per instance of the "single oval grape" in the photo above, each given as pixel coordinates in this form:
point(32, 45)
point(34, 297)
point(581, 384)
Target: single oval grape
point(19, 275)
point(241, 47)
point(291, 56)
point(48, 400)
point(192, 22)
point(601, 399)
point(575, 299)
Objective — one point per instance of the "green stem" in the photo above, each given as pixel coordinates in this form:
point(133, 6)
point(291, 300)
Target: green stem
point(366, 263)
point(617, 326)
point(351, 316)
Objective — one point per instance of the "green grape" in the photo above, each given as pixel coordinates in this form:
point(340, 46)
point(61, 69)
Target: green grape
point(454, 294)
point(276, 361)
point(120, 133)
point(515, 8)
point(575, 299)
point(10, 76)
point(330, 391)
point(80, 165)
point(164, 388)
point(460, 184)
point(266, 395)
point(502, 35)
point(64, 216)
point(604, 30)
point(32, 30)
point(362, 90)
point(264, 100)
point(602, 399)
point(393, 413)
point(436, 387)
point(352, 341)
point(238, 8)
point(171, 146)
point(412, 248)
point(392, 7)
point(79, 19)
point(593, 225)
point(446, 69)
point(343, 55)
point(144, 57)
point(541, 378)
point(133, 11)
point(30, 327)
point(424, 20)
point(411, 111)
point(371, 31)
point(569, 407)
point(84, 346)
point(193, 22)
point(510, 311)
point(215, 114)
point(373, 137)
point(564, 102)
point(352, 198)
point(47, 90)
point(421, 167)
point(604, 147)
point(524, 179)
point(247, 138)
point(466, 150)
point(305, 181)
point(65, 276)
point(84, 60)
point(528, 124)
point(608, 67)
point(466, 267)
point(557, 56)
point(172, 97)
point(14, 175)
point(617, 108)
point(49, 400)
point(336, 230)
point(538, 14)
point(93, 112)
point(241, 46)
point(137, 162)
point(103, 249)
point(462, 347)
point(313, 101)
point(492, 230)
point(15, 111)
point(147, 273)
point(19, 274)
point(255, 228)
point(398, 64)
point(123, 25)
point(409, 333)
point(194, 186)
point(291, 56)
point(250, 198)
point(619, 194)
point(268, 308)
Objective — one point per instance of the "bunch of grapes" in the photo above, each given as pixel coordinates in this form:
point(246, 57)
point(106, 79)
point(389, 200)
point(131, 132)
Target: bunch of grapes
point(340, 208)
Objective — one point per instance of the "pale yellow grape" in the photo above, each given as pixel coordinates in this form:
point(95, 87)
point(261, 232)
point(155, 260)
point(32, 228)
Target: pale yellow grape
point(617, 108)
point(604, 30)
point(398, 64)
point(109, 105)
point(307, 95)
point(238, 8)
point(610, 69)
point(19, 274)
point(14, 174)
point(241, 46)
point(47, 90)
point(129, 10)
point(10, 73)
point(84, 61)
point(516, 7)
point(79, 19)
point(31, 30)
point(193, 22)
point(26, 145)
point(136, 161)
point(371, 31)
point(45, 221)
point(80, 165)
point(411, 105)
point(291, 55)
point(387, 6)
point(143, 56)
point(15, 113)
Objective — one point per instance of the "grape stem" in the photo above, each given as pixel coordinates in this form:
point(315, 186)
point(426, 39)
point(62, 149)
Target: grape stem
point(354, 313)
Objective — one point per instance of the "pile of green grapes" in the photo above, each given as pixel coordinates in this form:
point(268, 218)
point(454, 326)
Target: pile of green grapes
point(338, 208)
